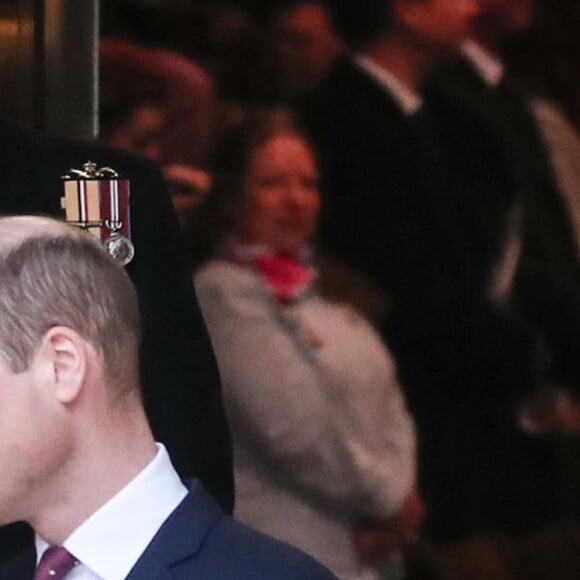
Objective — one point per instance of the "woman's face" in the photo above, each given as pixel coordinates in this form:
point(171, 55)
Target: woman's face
point(281, 200)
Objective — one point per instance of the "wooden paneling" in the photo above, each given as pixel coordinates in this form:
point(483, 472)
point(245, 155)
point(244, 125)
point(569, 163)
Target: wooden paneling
point(17, 70)
point(49, 64)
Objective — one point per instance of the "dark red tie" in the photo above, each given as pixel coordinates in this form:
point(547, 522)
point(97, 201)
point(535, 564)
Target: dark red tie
point(55, 564)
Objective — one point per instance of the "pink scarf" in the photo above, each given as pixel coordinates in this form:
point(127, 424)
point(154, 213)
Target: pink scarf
point(285, 276)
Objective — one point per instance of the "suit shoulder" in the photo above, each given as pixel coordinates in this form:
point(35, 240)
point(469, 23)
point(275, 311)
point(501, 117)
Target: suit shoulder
point(199, 540)
point(223, 275)
point(247, 553)
point(345, 82)
point(348, 104)
point(337, 93)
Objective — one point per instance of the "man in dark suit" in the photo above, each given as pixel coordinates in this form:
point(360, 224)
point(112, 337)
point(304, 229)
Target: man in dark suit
point(431, 227)
point(79, 461)
point(477, 89)
point(179, 375)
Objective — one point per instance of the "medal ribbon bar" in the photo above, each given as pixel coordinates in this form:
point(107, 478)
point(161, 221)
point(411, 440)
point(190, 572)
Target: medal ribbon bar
point(98, 200)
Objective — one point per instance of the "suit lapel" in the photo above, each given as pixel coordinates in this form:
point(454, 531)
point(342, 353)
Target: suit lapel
point(21, 566)
point(180, 537)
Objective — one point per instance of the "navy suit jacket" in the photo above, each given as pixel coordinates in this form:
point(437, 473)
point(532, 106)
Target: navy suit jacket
point(199, 541)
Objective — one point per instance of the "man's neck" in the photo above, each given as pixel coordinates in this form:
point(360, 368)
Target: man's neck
point(102, 464)
point(407, 62)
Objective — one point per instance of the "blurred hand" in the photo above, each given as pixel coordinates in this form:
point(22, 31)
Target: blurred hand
point(407, 522)
point(374, 539)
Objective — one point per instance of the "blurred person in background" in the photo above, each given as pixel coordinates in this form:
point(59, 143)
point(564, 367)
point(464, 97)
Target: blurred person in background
point(415, 207)
point(324, 445)
point(480, 89)
point(543, 59)
point(159, 104)
point(306, 46)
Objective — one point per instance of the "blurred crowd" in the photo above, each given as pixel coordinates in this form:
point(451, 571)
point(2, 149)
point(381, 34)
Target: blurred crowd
point(382, 203)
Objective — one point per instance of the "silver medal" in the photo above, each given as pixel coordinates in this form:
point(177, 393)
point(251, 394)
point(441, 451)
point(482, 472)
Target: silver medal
point(120, 248)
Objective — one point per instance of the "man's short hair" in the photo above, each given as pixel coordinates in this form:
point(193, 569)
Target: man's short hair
point(62, 277)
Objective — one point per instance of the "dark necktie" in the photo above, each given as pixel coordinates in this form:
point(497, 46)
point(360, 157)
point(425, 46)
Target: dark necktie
point(55, 564)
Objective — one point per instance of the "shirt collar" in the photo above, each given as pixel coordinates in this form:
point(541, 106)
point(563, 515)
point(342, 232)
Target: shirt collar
point(487, 65)
point(233, 248)
point(111, 541)
point(406, 98)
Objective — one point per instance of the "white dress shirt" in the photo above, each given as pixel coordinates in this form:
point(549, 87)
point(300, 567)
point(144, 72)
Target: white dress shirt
point(491, 71)
point(110, 542)
point(409, 101)
point(562, 141)
point(486, 64)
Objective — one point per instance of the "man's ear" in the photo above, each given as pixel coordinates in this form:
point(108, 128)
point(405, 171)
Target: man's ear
point(65, 355)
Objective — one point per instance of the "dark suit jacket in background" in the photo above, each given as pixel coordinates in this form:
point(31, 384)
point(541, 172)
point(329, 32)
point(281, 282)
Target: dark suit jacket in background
point(548, 281)
point(178, 370)
point(198, 541)
point(403, 205)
